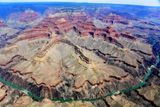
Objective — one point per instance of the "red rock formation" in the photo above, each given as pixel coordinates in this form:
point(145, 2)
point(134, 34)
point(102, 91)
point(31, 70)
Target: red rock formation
point(63, 24)
point(2, 24)
point(112, 32)
point(128, 35)
point(28, 16)
point(112, 18)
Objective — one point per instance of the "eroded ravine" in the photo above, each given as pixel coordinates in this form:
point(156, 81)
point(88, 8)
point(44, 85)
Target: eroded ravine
point(30, 88)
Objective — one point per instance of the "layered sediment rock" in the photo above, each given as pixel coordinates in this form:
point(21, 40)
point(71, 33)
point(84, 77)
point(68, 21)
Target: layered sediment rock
point(84, 63)
point(2, 23)
point(7, 34)
point(22, 20)
point(70, 56)
point(26, 16)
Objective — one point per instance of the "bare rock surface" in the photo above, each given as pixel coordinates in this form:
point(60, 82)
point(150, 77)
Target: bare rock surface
point(79, 57)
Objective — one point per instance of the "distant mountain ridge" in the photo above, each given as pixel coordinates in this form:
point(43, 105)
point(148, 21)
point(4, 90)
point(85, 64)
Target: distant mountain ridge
point(8, 8)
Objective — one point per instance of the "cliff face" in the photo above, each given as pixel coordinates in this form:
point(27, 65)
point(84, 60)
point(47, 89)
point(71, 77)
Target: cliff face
point(26, 16)
point(71, 56)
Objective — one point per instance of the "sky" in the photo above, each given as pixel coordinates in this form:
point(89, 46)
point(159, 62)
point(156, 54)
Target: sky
point(135, 2)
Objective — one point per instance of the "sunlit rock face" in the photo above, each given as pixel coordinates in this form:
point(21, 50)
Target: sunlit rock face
point(55, 59)
point(76, 54)
point(27, 101)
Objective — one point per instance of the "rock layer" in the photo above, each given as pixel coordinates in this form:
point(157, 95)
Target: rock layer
point(78, 54)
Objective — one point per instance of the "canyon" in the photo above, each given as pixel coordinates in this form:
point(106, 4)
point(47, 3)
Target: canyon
point(69, 57)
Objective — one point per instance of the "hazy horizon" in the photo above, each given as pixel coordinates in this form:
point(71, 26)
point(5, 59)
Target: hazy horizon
point(129, 2)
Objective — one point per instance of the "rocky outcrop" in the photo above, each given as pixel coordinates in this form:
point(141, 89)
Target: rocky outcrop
point(78, 57)
point(26, 16)
point(27, 101)
point(151, 94)
point(112, 50)
point(23, 20)
point(7, 34)
point(3, 94)
point(113, 18)
point(2, 23)
point(86, 64)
